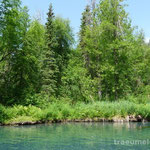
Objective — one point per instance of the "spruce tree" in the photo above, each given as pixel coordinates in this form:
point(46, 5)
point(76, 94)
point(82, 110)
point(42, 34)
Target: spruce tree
point(50, 69)
point(85, 23)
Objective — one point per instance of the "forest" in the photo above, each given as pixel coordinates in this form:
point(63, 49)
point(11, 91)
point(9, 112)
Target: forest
point(45, 75)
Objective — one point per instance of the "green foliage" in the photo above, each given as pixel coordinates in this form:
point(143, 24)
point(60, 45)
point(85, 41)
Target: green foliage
point(3, 114)
point(111, 52)
point(61, 110)
point(65, 40)
point(16, 22)
point(85, 22)
point(33, 46)
point(49, 67)
point(43, 78)
point(76, 84)
point(59, 39)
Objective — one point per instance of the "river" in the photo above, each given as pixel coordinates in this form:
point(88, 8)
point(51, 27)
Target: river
point(77, 136)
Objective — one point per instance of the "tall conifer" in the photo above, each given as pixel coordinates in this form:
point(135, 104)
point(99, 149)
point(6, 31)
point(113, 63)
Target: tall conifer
point(50, 68)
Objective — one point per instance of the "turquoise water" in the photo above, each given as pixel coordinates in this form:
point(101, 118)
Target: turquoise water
point(77, 136)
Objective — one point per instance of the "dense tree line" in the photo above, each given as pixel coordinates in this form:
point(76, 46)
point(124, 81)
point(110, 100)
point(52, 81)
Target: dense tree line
point(38, 62)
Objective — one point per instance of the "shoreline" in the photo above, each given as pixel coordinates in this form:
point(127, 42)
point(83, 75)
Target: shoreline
point(58, 112)
point(87, 120)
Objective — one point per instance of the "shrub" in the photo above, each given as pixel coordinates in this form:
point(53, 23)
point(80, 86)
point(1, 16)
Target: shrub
point(3, 114)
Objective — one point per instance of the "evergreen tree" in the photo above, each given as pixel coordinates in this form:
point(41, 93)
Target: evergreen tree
point(59, 39)
point(85, 22)
point(50, 69)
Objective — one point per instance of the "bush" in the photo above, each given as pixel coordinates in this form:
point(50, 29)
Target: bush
point(3, 114)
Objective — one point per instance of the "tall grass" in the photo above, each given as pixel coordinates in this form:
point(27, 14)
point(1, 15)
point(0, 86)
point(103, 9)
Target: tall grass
point(64, 110)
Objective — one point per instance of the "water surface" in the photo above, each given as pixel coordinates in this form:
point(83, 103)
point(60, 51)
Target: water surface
point(77, 136)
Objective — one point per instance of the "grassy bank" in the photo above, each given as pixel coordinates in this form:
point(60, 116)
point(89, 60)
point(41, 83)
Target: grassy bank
point(65, 111)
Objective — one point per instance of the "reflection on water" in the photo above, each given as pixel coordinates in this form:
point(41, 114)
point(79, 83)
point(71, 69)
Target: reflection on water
point(75, 136)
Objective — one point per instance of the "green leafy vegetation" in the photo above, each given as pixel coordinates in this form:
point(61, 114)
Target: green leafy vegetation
point(64, 111)
point(44, 77)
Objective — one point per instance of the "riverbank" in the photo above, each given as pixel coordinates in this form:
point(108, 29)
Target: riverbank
point(80, 112)
point(115, 119)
